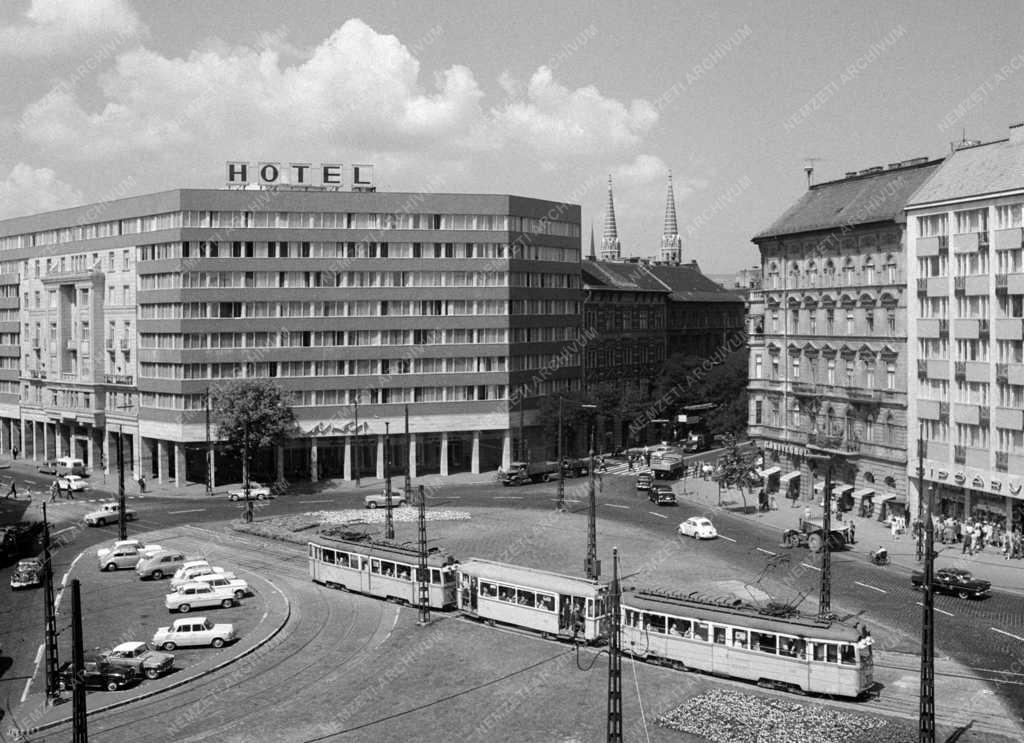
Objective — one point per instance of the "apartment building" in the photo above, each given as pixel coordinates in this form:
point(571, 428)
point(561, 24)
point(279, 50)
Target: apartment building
point(966, 332)
point(117, 318)
point(827, 339)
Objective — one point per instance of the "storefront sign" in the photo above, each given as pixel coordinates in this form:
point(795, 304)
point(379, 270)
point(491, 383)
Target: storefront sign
point(960, 478)
point(329, 175)
point(997, 486)
point(943, 474)
point(978, 481)
point(1015, 487)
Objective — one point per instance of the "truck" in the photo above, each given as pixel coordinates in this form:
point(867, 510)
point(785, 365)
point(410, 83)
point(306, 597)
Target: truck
point(667, 464)
point(810, 534)
point(695, 442)
point(522, 473)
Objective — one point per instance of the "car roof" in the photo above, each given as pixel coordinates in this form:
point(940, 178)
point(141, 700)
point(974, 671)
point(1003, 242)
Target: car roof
point(189, 620)
point(193, 584)
point(125, 646)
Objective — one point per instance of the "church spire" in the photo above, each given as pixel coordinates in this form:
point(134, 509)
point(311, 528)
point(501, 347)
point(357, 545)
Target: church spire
point(610, 247)
point(671, 244)
point(593, 253)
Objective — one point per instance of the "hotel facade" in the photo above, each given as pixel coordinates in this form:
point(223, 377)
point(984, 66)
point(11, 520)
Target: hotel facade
point(117, 319)
point(966, 335)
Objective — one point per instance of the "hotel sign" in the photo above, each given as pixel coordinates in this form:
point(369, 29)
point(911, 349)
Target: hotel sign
point(327, 175)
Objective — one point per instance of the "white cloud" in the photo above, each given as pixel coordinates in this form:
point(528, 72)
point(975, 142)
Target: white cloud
point(27, 190)
point(53, 27)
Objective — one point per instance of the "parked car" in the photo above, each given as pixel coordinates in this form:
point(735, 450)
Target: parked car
point(199, 595)
point(226, 581)
point(27, 574)
point(108, 513)
point(159, 565)
point(379, 500)
point(644, 480)
point(96, 673)
point(48, 467)
point(193, 570)
point(75, 483)
point(257, 491)
point(956, 581)
point(120, 559)
point(145, 549)
point(193, 631)
point(662, 495)
point(139, 658)
point(20, 540)
point(698, 527)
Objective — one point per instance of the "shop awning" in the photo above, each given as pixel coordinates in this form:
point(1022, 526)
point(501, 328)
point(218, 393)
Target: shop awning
point(841, 490)
point(769, 472)
point(864, 493)
point(789, 476)
point(819, 486)
point(884, 497)
point(900, 499)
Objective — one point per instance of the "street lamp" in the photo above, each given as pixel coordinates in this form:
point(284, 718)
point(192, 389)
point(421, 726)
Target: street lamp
point(356, 452)
point(561, 468)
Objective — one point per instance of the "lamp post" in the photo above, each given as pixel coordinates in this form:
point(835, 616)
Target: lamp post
point(389, 524)
point(209, 451)
point(560, 506)
point(356, 452)
point(592, 564)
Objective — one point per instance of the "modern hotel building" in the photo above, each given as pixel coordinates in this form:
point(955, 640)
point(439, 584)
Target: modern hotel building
point(117, 318)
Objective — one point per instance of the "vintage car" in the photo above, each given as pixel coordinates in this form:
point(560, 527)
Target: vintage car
point(96, 673)
point(108, 513)
point(956, 581)
point(74, 483)
point(27, 574)
point(199, 596)
point(380, 500)
point(662, 495)
point(257, 491)
point(192, 569)
point(193, 631)
point(159, 565)
point(226, 581)
point(147, 550)
point(138, 657)
point(644, 480)
point(698, 527)
point(120, 559)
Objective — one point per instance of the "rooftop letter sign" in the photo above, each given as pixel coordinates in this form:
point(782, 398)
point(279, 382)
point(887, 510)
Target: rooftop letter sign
point(325, 175)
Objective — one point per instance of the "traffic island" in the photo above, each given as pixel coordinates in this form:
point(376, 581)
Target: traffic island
point(118, 607)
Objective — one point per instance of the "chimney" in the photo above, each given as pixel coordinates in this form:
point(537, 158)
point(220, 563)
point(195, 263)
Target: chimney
point(1017, 132)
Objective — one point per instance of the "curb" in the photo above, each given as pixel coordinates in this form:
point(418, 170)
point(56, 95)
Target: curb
point(175, 685)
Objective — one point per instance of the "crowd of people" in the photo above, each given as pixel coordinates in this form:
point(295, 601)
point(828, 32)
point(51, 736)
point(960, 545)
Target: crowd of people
point(977, 534)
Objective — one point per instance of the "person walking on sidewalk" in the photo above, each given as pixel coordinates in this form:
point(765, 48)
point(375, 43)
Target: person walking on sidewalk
point(13, 491)
point(142, 484)
point(54, 489)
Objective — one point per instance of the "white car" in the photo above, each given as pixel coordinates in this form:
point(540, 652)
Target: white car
point(71, 482)
point(256, 492)
point(199, 595)
point(108, 513)
point(193, 631)
point(222, 580)
point(147, 550)
point(698, 527)
point(194, 569)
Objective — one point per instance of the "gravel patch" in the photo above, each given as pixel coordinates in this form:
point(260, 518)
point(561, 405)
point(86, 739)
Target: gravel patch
point(726, 716)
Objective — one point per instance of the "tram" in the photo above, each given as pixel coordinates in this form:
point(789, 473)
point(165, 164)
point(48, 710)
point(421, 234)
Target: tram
point(552, 604)
point(800, 654)
point(383, 570)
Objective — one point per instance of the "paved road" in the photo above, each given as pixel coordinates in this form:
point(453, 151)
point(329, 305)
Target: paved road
point(984, 635)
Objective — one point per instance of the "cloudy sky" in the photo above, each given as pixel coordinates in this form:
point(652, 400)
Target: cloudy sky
point(111, 97)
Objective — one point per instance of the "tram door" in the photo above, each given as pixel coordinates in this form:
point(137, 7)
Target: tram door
point(571, 613)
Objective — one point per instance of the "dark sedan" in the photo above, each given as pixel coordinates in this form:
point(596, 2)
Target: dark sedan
point(955, 581)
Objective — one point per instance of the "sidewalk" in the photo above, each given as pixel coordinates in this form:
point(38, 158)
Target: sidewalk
point(870, 533)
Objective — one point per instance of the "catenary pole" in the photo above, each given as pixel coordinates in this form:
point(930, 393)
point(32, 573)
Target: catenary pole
point(49, 615)
point(614, 658)
point(424, 572)
point(389, 524)
point(80, 731)
point(122, 518)
point(561, 462)
point(926, 716)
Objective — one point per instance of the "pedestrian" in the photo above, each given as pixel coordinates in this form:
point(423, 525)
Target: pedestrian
point(966, 537)
point(53, 491)
point(631, 468)
point(142, 484)
point(807, 513)
point(13, 491)
point(894, 528)
point(853, 531)
point(14, 453)
point(68, 493)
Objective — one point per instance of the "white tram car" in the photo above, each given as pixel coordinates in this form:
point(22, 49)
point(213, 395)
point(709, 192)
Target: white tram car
point(382, 570)
point(553, 604)
point(797, 653)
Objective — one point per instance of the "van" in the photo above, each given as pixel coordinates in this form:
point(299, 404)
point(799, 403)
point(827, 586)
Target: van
point(70, 466)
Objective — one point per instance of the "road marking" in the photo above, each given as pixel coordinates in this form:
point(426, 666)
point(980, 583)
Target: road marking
point(66, 528)
point(35, 669)
point(722, 536)
point(325, 500)
point(659, 515)
point(950, 615)
point(873, 588)
point(191, 510)
point(1008, 634)
point(508, 497)
point(567, 500)
point(56, 601)
point(812, 567)
point(615, 505)
point(767, 552)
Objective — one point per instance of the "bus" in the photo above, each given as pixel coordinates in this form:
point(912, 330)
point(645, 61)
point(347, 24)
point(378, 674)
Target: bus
point(383, 570)
point(555, 605)
point(793, 653)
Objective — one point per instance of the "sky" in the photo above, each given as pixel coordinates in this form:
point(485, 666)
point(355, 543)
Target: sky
point(110, 98)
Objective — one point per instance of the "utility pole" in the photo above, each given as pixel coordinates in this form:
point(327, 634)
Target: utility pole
point(122, 520)
point(50, 615)
point(389, 524)
point(614, 658)
point(245, 476)
point(355, 454)
point(593, 565)
point(926, 716)
point(424, 570)
point(408, 457)
point(209, 451)
point(825, 598)
point(560, 506)
point(920, 498)
point(80, 731)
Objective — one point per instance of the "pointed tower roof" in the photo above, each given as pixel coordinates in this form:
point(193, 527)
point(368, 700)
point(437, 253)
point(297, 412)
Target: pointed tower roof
point(671, 224)
point(593, 252)
point(611, 231)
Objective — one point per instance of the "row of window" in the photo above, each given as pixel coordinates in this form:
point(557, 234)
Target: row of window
point(1007, 216)
point(518, 596)
point(853, 428)
point(334, 368)
point(374, 396)
point(387, 568)
point(359, 308)
point(847, 275)
point(808, 368)
point(937, 349)
point(812, 327)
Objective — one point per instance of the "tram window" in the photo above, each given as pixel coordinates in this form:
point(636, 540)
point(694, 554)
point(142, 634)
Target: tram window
point(847, 656)
point(526, 598)
point(375, 565)
point(435, 576)
point(656, 623)
point(329, 557)
point(404, 572)
point(832, 653)
point(342, 558)
point(488, 589)
point(719, 635)
point(545, 602)
point(506, 594)
point(387, 568)
point(739, 638)
point(763, 642)
point(791, 647)
point(700, 631)
point(599, 605)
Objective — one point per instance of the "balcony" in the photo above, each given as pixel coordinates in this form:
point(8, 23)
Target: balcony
point(943, 411)
point(960, 371)
point(922, 286)
point(959, 454)
point(119, 379)
point(805, 389)
point(836, 443)
point(1009, 328)
point(959, 284)
point(125, 344)
point(1002, 374)
point(863, 394)
point(1002, 461)
point(36, 342)
point(1009, 418)
point(943, 326)
point(984, 417)
point(109, 344)
point(967, 328)
point(922, 368)
point(1008, 239)
point(1002, 281)
point(983, 327)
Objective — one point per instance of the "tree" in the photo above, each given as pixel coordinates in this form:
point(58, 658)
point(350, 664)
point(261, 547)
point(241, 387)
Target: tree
point(574, 419)
point(687, 380)
point(252, 415)
point(737, 467)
